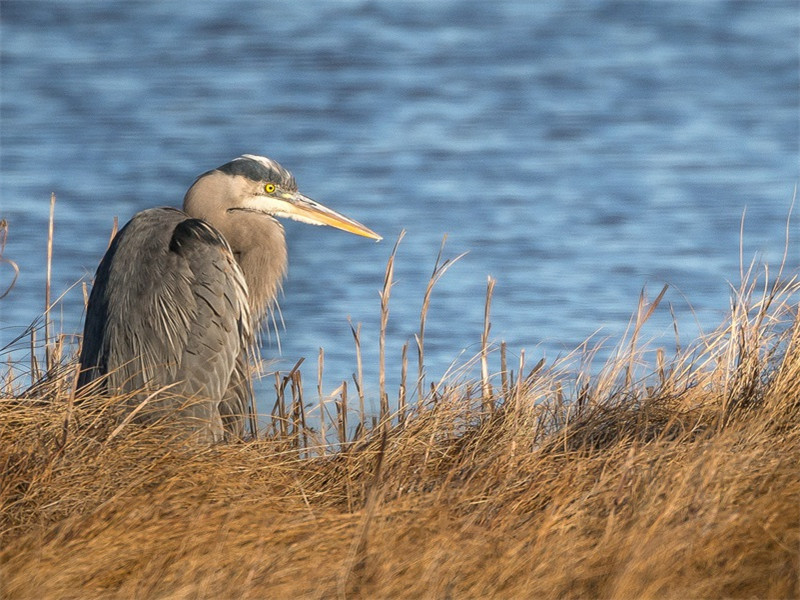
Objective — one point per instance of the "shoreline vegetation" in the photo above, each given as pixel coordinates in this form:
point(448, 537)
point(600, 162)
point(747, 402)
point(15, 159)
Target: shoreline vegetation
point(654, 477)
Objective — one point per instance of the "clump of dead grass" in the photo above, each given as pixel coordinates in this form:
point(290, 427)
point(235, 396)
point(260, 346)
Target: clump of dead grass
point(678, 479)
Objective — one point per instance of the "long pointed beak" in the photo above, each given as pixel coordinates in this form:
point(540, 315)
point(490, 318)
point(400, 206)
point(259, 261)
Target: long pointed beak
point(301, 208)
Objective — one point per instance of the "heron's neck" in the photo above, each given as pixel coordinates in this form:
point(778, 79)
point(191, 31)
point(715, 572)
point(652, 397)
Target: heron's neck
point(264, 265)
point(259, 245)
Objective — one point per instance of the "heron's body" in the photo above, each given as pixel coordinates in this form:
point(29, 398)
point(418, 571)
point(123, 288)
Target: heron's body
point(178, 295)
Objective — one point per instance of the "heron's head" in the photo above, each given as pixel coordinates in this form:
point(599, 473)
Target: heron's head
point(256, 184)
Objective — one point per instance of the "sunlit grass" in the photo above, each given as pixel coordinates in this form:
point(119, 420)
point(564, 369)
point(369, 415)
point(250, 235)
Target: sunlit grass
point(651, 477)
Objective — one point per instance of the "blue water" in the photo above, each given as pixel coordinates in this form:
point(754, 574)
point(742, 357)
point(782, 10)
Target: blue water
point(578, 150)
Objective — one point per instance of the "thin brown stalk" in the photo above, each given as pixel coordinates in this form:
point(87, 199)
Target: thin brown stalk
point(486, 386)
point(280, 402)
point(252, 412)
point(341, 409)
point(362, 417)
point(401, 396)
point(8, 378)
point(520, 377)
point(70, 409)
point(385, 293)
point(358, 378)
point(34, 361)
point(320, 367)
point(660, 367)
point(50, 226)
point(644, 311)
point(299, 413)
point(439, 269)
point(504, 371)
point(280, 407)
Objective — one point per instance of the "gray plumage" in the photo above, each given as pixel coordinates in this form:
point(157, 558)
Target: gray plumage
point(179, 296)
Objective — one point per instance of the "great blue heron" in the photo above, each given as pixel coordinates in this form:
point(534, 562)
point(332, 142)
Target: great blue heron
point(178, 296)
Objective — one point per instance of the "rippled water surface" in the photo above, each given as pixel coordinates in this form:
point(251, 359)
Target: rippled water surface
point(577, 150)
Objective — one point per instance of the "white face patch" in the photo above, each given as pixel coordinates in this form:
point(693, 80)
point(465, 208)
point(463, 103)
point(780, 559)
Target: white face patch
point(266, 204)
point(277, 207)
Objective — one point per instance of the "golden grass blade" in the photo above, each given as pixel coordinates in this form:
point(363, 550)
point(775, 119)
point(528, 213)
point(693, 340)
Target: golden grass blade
point(385, 294)
point(47, 304)
point(320, 367)
point(486, 386)
point(358, 378)
point(439, 269)
point(401, 394)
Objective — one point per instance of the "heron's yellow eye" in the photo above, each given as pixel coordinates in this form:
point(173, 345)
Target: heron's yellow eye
point(269, 188)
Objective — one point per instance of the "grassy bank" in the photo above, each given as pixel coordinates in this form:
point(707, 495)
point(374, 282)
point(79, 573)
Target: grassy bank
point(662, 478)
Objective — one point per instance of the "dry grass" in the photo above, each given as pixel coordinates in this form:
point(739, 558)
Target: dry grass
point(673, 480)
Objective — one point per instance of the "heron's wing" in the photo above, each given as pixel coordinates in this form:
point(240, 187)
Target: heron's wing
point(169, 304)
point(235, 404)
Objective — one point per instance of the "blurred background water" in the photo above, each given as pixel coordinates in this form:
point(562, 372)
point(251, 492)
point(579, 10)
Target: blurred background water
point(578, 150)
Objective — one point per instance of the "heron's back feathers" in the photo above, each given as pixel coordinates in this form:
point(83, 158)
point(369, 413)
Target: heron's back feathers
point(169, 306)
